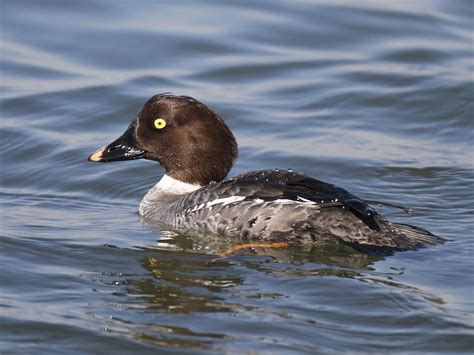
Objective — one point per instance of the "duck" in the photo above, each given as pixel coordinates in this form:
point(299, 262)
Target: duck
point(197, 150)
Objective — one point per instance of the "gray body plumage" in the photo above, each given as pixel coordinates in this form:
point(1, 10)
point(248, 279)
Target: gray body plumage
point(275, 205)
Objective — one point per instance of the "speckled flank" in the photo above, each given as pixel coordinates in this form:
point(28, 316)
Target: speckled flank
point(245, 207)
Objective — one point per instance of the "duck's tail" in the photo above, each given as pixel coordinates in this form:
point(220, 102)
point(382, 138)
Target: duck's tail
point(416, 237)
point(400, 237)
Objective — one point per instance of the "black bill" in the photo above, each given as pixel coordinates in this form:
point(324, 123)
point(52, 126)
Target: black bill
point(123, 148)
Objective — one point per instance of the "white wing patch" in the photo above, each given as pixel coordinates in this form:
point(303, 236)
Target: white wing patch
point(220, 201)
point(298, 200)
point(302, 199)
point(228, 200)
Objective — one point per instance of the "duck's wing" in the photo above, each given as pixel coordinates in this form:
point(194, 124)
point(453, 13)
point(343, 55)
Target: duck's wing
point(274, 185)
point(278, 187)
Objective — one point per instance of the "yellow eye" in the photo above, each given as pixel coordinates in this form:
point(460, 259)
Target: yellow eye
point(160, 123)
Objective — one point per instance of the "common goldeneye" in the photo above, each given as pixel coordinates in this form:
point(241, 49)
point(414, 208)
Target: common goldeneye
point(197, 150)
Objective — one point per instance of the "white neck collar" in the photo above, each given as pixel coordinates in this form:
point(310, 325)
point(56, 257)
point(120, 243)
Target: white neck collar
point(171, 186)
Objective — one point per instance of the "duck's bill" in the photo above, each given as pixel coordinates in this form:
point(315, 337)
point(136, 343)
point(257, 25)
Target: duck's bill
point(116, 153)
point(123, 148)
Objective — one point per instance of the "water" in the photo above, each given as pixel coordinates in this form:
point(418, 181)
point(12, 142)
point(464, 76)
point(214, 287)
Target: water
point(375, 96)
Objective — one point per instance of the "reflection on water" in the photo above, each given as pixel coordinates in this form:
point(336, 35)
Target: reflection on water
point(186, 282)
point(227, 249)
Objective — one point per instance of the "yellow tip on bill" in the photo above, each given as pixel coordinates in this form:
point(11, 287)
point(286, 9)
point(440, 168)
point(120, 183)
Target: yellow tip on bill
point(97, 156)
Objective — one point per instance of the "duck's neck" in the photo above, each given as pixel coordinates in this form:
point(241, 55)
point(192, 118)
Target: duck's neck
point(165, 192)
point(170, 186)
